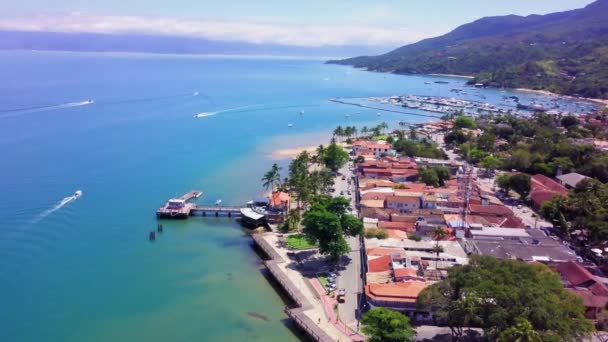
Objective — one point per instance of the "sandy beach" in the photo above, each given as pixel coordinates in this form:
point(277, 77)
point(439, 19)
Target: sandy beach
point(292, 152)
point(548, 93)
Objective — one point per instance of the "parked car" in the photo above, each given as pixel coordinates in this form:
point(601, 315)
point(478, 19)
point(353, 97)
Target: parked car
point(341, 295)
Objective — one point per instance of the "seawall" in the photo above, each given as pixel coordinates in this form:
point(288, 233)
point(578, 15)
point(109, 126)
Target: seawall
point(302, 304)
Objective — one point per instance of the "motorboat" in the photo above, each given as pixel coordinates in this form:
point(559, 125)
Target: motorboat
point(78, 193)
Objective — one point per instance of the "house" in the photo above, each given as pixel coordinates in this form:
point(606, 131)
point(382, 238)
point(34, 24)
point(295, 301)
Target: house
point(399, 296)
point(376, 148)
point(490, 210)
point(582, 283)
point(402, 203)
point(408, 227)
point(570, 180)
point(280, 201)
point(544, 189)
point(508, 243)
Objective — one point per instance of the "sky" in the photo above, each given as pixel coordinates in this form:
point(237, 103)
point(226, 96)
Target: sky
point(290, 22)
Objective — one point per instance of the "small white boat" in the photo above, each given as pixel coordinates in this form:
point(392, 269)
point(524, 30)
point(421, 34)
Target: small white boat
point(347, 115)
point(218, 202)
point(302, 112)
point(379, 114)
point(290, 125)
point(78, 193)
point(195, 93)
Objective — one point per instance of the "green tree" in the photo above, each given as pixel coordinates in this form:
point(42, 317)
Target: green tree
point(364, 130)
point(299, 178)
point(272, 177)
point(522, 331)
point(334, 156)
point(327, 223)
point(500, 293)
point(464, 122)
point(385, 325)
point(292, 220)
point(429, 177)
point(438, 234)
point(339, 132)
point(520, 183)
point(504, 182)
point(486, 142)
point(413, 135)
point(569, 122)
point(490, 163)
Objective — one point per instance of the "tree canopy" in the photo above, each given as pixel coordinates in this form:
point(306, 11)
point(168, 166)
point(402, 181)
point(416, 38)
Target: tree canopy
point(585, 207)
point(498, 295)
point(333, 156)
point(434, 176)
point(385, 325)
point(328, 223)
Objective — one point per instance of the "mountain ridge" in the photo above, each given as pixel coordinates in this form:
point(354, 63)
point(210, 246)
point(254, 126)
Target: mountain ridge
point(563, 52)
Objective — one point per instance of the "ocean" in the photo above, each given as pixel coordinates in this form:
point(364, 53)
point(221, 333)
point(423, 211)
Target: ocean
point(121, 128)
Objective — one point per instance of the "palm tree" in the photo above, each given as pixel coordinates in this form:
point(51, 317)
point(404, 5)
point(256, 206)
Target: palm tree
point(438, 234)
point(383, 126)
point(339, 131)
point(272, 177)
point(413, 134)
point(293, 219)
point(364, 130)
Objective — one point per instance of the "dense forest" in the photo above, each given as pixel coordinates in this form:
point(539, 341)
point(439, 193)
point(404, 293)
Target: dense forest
point(565, 52)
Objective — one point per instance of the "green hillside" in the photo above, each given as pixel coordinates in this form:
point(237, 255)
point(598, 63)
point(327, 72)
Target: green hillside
point(565, 52)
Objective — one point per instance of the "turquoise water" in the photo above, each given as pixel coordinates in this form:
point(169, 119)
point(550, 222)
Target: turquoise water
point(85, 270)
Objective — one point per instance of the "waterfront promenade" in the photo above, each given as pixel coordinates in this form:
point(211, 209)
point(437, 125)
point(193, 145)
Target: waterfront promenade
point(310, 315)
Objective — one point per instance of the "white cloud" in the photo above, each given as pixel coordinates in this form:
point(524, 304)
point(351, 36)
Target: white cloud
point(299, 35)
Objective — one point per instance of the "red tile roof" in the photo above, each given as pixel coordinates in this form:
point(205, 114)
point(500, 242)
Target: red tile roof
point(490, 210)
point(538, 197)
point(590, 300)
point(409, 227)
point(395, 292)
point(405, 272)
point(542, 182)
point(579, 276)
point(403, 199)
point(379, 251)
point(375, 196)
point(381, 264)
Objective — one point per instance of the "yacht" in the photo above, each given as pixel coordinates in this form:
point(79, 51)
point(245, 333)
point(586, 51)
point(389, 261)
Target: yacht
point(78, 193)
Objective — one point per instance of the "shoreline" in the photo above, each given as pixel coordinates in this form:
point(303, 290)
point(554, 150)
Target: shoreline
point(468, 77)
point(549, 93)
point(291, 153)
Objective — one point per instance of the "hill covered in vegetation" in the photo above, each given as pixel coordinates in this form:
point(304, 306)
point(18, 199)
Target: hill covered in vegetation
point(565, 52)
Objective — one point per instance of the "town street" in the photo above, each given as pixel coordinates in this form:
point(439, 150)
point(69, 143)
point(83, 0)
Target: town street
point(349, 277)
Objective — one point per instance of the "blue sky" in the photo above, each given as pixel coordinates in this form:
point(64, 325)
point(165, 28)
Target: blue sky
point(310, 22)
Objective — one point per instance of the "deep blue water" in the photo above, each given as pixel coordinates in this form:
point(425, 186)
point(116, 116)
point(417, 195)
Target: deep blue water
point(85, 270)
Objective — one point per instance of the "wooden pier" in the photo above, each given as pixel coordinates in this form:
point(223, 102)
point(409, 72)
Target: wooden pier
point(181, 208)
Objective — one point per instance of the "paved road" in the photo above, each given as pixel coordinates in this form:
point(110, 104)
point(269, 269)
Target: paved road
point(349, 278)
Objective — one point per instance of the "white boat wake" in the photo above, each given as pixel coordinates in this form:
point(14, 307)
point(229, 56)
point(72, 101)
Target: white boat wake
point(207, 114)
point(65, 201)
point(28, 110)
